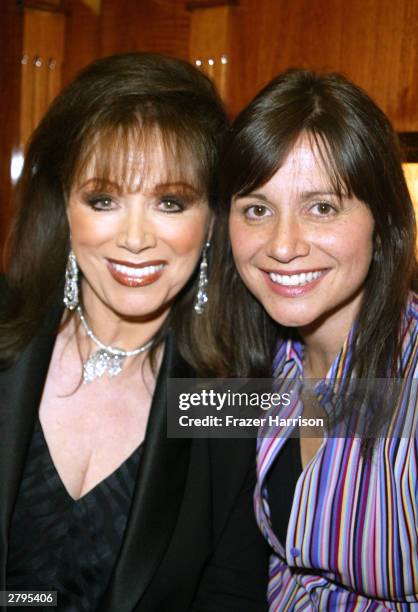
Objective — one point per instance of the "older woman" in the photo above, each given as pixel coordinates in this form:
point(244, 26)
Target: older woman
point(116, 212)
point(323, 236)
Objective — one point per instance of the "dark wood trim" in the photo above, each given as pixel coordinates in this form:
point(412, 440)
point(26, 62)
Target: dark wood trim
point(11, 37)
point(204, 4)
point(43, 6)
point(409, 142)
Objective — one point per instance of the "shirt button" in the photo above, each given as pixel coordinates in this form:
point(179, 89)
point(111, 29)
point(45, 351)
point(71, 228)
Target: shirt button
point(295, 552)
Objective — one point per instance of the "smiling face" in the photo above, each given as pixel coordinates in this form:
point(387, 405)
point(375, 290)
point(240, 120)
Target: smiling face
point(300, 249)
point(137, 245)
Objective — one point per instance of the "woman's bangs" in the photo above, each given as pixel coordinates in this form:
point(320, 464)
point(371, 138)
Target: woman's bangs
point(333, 158)
point(131, 155)
point(265, 161)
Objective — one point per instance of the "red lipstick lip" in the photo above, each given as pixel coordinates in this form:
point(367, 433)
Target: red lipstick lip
point(143, 264)
point(293, 292)
point(133, 281)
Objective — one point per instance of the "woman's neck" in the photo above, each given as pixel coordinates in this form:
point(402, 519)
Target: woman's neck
point(112, 329)
point(324, 339)
point(318, 360)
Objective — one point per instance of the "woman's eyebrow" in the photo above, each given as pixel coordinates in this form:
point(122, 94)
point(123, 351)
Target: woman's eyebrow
point(253, 194)
point(314, 193)
point(318, 192)
point(100, 183)
point(160, 188)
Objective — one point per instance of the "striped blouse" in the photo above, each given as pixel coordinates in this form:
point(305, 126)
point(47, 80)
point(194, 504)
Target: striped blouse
point(352, 536)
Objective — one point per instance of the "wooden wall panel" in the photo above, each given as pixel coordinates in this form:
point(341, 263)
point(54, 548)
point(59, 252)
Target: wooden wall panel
point(209, 44)
point(145, 25)
point(374, 42)
point(383, 56)
point(11, 33)
point(43, 52)
point(82, 37)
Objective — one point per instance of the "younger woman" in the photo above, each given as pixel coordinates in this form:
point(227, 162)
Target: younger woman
point(323, 236)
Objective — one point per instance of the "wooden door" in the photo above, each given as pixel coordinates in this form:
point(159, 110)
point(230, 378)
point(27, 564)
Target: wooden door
point(42, 57)
point(210, 25)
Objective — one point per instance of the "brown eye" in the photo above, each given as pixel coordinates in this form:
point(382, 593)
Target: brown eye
point(101, 202)
point(323, 209)
point(257, 211)
point(170, 205)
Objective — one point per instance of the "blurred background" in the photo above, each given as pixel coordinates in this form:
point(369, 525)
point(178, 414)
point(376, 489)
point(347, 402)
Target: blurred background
point(241, 44)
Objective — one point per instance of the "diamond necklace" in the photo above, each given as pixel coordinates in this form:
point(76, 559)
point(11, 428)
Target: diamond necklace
point(108, 359)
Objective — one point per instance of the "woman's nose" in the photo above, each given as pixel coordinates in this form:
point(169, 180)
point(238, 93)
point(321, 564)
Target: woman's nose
point(289, 240)
point(137, 232)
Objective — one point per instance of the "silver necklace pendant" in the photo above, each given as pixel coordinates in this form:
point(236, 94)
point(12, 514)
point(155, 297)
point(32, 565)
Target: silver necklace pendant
point(102, 362)
point(108, 359)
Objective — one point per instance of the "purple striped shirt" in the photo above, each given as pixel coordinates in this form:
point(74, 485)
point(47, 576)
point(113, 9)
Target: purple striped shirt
point(352, 538)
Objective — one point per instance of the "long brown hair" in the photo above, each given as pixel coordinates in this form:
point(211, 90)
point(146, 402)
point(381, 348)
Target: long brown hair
point(114, 102)
point(362, 155)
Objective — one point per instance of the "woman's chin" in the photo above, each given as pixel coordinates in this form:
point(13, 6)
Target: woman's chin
point(290, 318)
point(144, 314)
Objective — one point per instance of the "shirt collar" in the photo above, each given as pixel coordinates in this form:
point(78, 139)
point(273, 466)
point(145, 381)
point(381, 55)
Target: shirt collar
point(294, 352)
point(291, 353)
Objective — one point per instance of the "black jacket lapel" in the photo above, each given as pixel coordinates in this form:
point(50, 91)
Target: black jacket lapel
point(21, 388)
point(157, 498)
point(162, 474)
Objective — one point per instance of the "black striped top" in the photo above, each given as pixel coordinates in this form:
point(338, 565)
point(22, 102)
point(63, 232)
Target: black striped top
point(63, 545)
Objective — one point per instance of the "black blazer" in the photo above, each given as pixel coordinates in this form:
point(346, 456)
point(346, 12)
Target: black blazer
point(191, 541)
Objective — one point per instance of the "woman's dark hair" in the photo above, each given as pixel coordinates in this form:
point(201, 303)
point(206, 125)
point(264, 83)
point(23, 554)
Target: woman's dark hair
point(115, 105)
point(361, 153)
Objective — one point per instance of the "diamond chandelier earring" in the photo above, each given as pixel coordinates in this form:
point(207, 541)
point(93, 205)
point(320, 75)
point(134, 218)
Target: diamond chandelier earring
point(202, 296)
point(71, 282)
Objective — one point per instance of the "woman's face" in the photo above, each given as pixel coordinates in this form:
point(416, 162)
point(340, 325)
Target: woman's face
point(302, 251)
point(137, 247)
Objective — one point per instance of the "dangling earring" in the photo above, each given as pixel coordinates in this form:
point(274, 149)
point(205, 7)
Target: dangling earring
point(71, 282)
point(202, 296)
